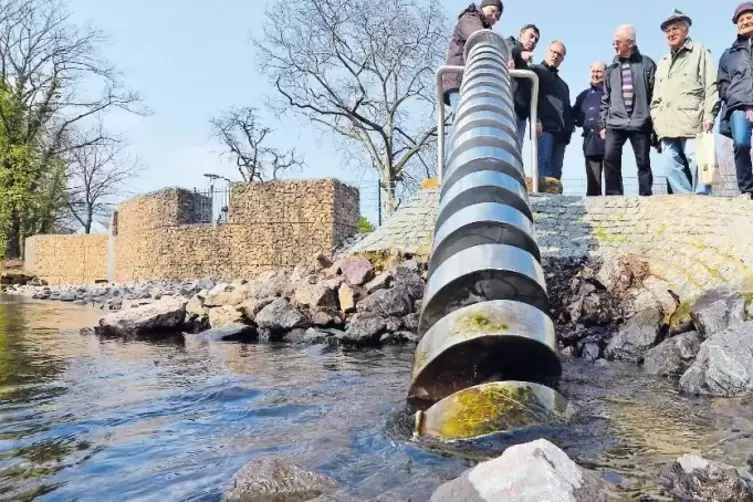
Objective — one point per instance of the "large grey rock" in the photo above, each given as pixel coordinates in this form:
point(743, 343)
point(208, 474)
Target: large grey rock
point(673, 356)
point(381, 281)
point(277, 480)
point(717, 310)
point(410, 322)
point(347, 298)
point(409, 280)
point(226, 294)
point(364, 328)
point(253, 306)
point(661, 291)
point(357, 271)
point(281, 315)
point(636, 336)
point(162, 315)
point(620, 272)
point(392, 302)
point(694, 478)
point(530, 472)
point(724, 364)
point(315, 295)
point(313, 336)
point(271, 283)
point(195, 307)
point(67, 296)
point(225, 314)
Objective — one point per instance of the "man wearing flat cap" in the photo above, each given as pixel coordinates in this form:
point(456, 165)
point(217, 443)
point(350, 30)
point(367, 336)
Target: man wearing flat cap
point(685, 102)
point(735, 87)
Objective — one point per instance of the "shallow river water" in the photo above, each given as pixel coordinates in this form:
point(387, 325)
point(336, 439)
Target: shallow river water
point(88, 419)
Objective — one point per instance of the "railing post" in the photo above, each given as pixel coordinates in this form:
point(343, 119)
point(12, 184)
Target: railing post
point(442, 118)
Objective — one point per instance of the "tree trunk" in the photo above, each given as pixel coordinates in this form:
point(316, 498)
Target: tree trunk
point(389, 200)
point(88, 224)
point(13, 247)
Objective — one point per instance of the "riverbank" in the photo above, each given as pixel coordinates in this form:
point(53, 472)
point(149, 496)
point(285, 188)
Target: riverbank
point(608, 311)
point(348, 301)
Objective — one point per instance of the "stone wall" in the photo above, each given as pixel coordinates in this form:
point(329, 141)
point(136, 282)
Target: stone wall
point(67, 259)
point(693, 242)
point(159, 237)
point(269, 225)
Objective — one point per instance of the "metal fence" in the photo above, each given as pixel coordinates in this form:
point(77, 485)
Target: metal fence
point(210, 206)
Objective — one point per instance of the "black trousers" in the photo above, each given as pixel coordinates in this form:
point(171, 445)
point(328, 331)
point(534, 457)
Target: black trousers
point(641, 143)
point(594, 169)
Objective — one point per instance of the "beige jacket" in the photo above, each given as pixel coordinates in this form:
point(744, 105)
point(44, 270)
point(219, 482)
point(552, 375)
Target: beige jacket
point(685, 95)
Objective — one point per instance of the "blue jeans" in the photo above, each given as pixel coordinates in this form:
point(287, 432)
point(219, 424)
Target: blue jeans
point(741, 130)
point(551, 155)
point(676, 153)
point(454, 98)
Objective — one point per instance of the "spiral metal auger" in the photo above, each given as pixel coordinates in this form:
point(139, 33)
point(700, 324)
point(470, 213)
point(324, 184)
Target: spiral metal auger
point(487, 358)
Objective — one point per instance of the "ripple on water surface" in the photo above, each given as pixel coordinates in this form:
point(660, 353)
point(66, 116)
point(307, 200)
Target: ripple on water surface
point(89, 419)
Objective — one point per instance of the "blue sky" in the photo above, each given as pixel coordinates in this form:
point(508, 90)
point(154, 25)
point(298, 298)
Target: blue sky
point(189, 60)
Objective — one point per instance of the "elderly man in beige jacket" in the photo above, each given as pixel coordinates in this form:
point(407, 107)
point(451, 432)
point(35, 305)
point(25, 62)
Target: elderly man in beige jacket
point(685, 102)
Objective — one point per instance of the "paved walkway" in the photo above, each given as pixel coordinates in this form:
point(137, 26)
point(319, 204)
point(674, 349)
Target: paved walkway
point(692, 242)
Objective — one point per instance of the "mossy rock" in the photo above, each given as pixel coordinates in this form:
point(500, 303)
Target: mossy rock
point(546, 185)
point(681, 317)
point(388, 259)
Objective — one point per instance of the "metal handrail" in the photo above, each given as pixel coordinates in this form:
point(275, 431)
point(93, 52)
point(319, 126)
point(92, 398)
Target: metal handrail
point(441, 117)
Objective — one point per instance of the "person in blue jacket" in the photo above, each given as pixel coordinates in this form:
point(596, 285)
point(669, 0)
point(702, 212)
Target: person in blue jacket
point(586, 116)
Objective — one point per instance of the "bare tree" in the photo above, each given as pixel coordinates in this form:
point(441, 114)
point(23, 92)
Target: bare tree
point(55, 80)
point(363, 69)
point(239, 130)
point(96, 173)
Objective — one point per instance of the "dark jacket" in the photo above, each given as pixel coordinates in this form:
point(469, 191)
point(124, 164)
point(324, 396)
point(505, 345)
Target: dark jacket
point(521, 87)
point(586, 113)
point(554, 110)
point(735, 81)
point(470, 21)
point(613, 112)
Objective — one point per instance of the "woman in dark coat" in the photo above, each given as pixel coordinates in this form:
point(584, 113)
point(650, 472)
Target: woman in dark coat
point(471, 20)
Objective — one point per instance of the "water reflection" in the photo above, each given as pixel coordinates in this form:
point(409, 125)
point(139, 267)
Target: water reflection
point(88, 419)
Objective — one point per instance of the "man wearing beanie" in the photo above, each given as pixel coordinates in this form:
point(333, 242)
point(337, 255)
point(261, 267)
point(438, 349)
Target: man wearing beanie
point(471, 20)
point(735, 86)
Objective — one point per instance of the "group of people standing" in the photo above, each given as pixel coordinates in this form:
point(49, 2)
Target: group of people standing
point(665, 106)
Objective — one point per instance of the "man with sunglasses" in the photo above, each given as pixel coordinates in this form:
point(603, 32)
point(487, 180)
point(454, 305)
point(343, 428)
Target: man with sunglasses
point(555, 115)
point(625, 112)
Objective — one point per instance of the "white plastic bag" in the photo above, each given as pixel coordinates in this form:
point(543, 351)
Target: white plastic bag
point(705, 153)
